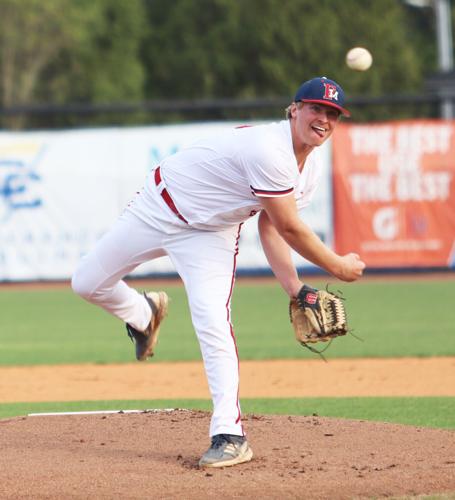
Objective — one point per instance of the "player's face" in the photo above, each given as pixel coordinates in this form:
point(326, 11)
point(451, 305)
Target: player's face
point(314, 123)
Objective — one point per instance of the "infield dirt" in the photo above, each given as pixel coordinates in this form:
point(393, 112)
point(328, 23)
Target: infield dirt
point(155, 455)
point(279, 378)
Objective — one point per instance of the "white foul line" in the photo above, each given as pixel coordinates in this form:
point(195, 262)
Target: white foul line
point(102, 412)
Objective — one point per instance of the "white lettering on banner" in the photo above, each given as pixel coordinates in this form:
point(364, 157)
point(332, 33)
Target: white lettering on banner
point(423, 187)
point(401, 245)
point(370, 140)
point(370, 187)
point(424, 139)
point(432, 186)
point(398, 161)
point(399, 175)
point(382, 139)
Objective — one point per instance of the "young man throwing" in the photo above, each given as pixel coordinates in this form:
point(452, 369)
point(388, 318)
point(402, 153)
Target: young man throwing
point(191, 209)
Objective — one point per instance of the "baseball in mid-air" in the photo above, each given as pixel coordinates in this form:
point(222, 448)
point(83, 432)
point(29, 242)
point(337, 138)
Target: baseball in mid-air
point(359, 59)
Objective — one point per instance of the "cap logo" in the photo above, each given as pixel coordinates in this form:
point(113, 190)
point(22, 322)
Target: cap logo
point(330, 92)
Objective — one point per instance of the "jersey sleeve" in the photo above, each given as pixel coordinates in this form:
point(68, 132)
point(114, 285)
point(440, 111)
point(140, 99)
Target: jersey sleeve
point(271, 171)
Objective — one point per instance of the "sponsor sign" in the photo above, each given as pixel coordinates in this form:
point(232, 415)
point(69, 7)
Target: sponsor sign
point(394, 192)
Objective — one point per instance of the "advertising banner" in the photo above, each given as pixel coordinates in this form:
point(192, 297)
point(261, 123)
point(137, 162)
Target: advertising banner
point(394, 192)
point(60, 191)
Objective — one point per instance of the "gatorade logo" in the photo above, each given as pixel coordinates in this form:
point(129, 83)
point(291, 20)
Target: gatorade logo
point(386, 223)
point(331, 92)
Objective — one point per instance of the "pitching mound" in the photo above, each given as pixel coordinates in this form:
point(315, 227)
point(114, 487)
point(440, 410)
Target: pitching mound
point(155, 455)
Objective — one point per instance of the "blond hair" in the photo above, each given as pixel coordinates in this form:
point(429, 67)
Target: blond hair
point(288, 109)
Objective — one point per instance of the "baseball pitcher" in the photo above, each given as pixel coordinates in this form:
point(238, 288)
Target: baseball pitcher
point(192, 208)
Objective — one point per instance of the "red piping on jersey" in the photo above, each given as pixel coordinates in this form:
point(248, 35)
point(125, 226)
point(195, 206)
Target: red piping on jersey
point(167, 197)
point(228, 310)
point(276, 193)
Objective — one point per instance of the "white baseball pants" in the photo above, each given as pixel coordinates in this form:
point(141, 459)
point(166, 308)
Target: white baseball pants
point(206, 262)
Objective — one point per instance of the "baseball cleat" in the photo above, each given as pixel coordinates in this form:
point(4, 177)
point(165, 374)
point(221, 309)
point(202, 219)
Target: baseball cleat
point(226, 450)
point(146, 341)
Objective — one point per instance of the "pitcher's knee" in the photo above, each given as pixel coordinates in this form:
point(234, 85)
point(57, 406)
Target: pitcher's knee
point(81, 284)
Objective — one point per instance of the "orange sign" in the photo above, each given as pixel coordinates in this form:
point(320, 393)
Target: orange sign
point(394, 192)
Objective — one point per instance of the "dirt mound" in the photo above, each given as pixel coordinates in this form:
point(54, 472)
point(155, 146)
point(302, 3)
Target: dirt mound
point(154, 455)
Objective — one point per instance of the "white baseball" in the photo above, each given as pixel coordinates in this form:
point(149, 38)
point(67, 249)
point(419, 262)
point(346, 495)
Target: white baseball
point(359, 59)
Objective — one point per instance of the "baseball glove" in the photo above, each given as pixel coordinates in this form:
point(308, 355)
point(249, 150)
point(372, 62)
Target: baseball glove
point(317, 316)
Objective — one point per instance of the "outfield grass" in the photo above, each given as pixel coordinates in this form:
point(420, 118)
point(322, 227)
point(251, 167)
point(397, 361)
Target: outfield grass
point(435, 412)
point(409, 318)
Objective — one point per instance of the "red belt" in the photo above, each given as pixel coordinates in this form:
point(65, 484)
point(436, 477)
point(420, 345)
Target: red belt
point(167, 197)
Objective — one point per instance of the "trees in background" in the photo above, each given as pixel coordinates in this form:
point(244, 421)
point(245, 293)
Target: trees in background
point(58, 51)
point(106, 51)
point(266, 47)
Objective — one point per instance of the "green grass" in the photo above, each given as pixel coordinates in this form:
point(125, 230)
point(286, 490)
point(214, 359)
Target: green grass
point(437, 412)
point(408, 318)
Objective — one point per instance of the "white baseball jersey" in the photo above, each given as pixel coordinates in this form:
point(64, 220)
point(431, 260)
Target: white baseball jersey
point(217, 181)
point(190, 209)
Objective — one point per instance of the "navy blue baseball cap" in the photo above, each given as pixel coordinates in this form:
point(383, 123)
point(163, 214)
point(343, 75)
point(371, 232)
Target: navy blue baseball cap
point(323, 91)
